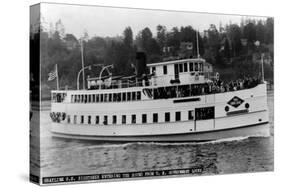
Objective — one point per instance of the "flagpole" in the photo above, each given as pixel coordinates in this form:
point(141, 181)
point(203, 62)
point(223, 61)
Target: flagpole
point(58, 87)
point(197, 41)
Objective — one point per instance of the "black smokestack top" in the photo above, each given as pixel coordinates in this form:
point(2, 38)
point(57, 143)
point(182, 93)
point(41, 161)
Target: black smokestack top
point(141, 63)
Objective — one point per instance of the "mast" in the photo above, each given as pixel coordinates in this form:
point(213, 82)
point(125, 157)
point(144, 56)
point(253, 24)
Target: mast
point(197, 41)
point(82, 60)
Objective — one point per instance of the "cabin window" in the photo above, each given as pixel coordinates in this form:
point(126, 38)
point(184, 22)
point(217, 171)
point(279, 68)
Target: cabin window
point(82, 119)
point(89, 119)
point(105, 97)
point(82, 98)
point(201, 67)
point(134, 118)
point(114, 119)
point(133, 96)
point(178, 116)
point(94, 99)
point(105, 120)
point(167, 116)
point(68, 118)
point(123, 96)
point(123, 119)
point(97, 120)
point(196, 66)
point(110, 97)
point(190, 115)
point(89, 98)
point(155, 118)
point(114, 97)
point(185, 67)
point(86, 99)
point(144, 118)
point(165, 69)
point(181, 67)
point(75, 98)
point(72, 98)
point(128, 96)
point(190, 67)
point(74, 119)
point(138, 95)
point(153, 70)
point(101, 97)
point(118, 97)
point(98, 98)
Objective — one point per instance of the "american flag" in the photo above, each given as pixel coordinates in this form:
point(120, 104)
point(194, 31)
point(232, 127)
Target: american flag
point(53, 74)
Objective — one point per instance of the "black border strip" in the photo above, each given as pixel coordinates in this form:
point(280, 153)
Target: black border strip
point(187, 100)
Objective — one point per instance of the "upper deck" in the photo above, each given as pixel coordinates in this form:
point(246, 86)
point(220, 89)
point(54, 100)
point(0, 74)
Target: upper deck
point(168, 73)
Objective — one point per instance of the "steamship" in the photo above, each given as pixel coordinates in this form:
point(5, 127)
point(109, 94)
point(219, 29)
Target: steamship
point(173, 100)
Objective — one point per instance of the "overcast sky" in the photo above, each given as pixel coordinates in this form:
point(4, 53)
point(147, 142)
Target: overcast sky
point(107, 21)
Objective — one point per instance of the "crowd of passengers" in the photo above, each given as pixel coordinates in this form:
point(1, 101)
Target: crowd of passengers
point(217, 86)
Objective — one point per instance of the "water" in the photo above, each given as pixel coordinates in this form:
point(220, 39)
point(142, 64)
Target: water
point(70, 157)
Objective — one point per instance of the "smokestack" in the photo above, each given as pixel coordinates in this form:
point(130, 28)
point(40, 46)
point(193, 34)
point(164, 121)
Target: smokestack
point(141, 63)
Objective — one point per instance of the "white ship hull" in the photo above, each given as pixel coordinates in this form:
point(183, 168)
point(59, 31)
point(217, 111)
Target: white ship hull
point(237, 122)
point(261, 129)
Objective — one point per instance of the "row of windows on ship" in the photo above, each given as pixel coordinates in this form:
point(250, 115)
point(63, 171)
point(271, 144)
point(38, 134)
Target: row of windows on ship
point(125, 119)
point(156, 93)
point(106, 97)
point(183, 67)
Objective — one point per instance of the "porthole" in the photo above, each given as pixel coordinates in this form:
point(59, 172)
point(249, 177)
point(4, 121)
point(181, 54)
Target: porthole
point(247, 105)
point(226, 108)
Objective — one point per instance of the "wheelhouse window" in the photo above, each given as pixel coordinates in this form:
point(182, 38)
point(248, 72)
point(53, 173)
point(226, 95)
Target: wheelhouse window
point(134, 118)
point(167, 117)
point(185, 67)
point(191, 67)
point(153, 70)
point(155, 118)
point(196, 66)
point(165, 69)
point(144, 118)
point(178, 116)
point(181, 67)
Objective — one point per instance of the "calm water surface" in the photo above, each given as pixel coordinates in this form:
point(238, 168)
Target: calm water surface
point(70, 157)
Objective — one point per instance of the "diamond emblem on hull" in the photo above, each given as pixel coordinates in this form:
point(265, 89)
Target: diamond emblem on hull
point(235, 102)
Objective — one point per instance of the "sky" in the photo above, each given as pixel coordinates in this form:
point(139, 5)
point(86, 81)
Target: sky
point(110, 21)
